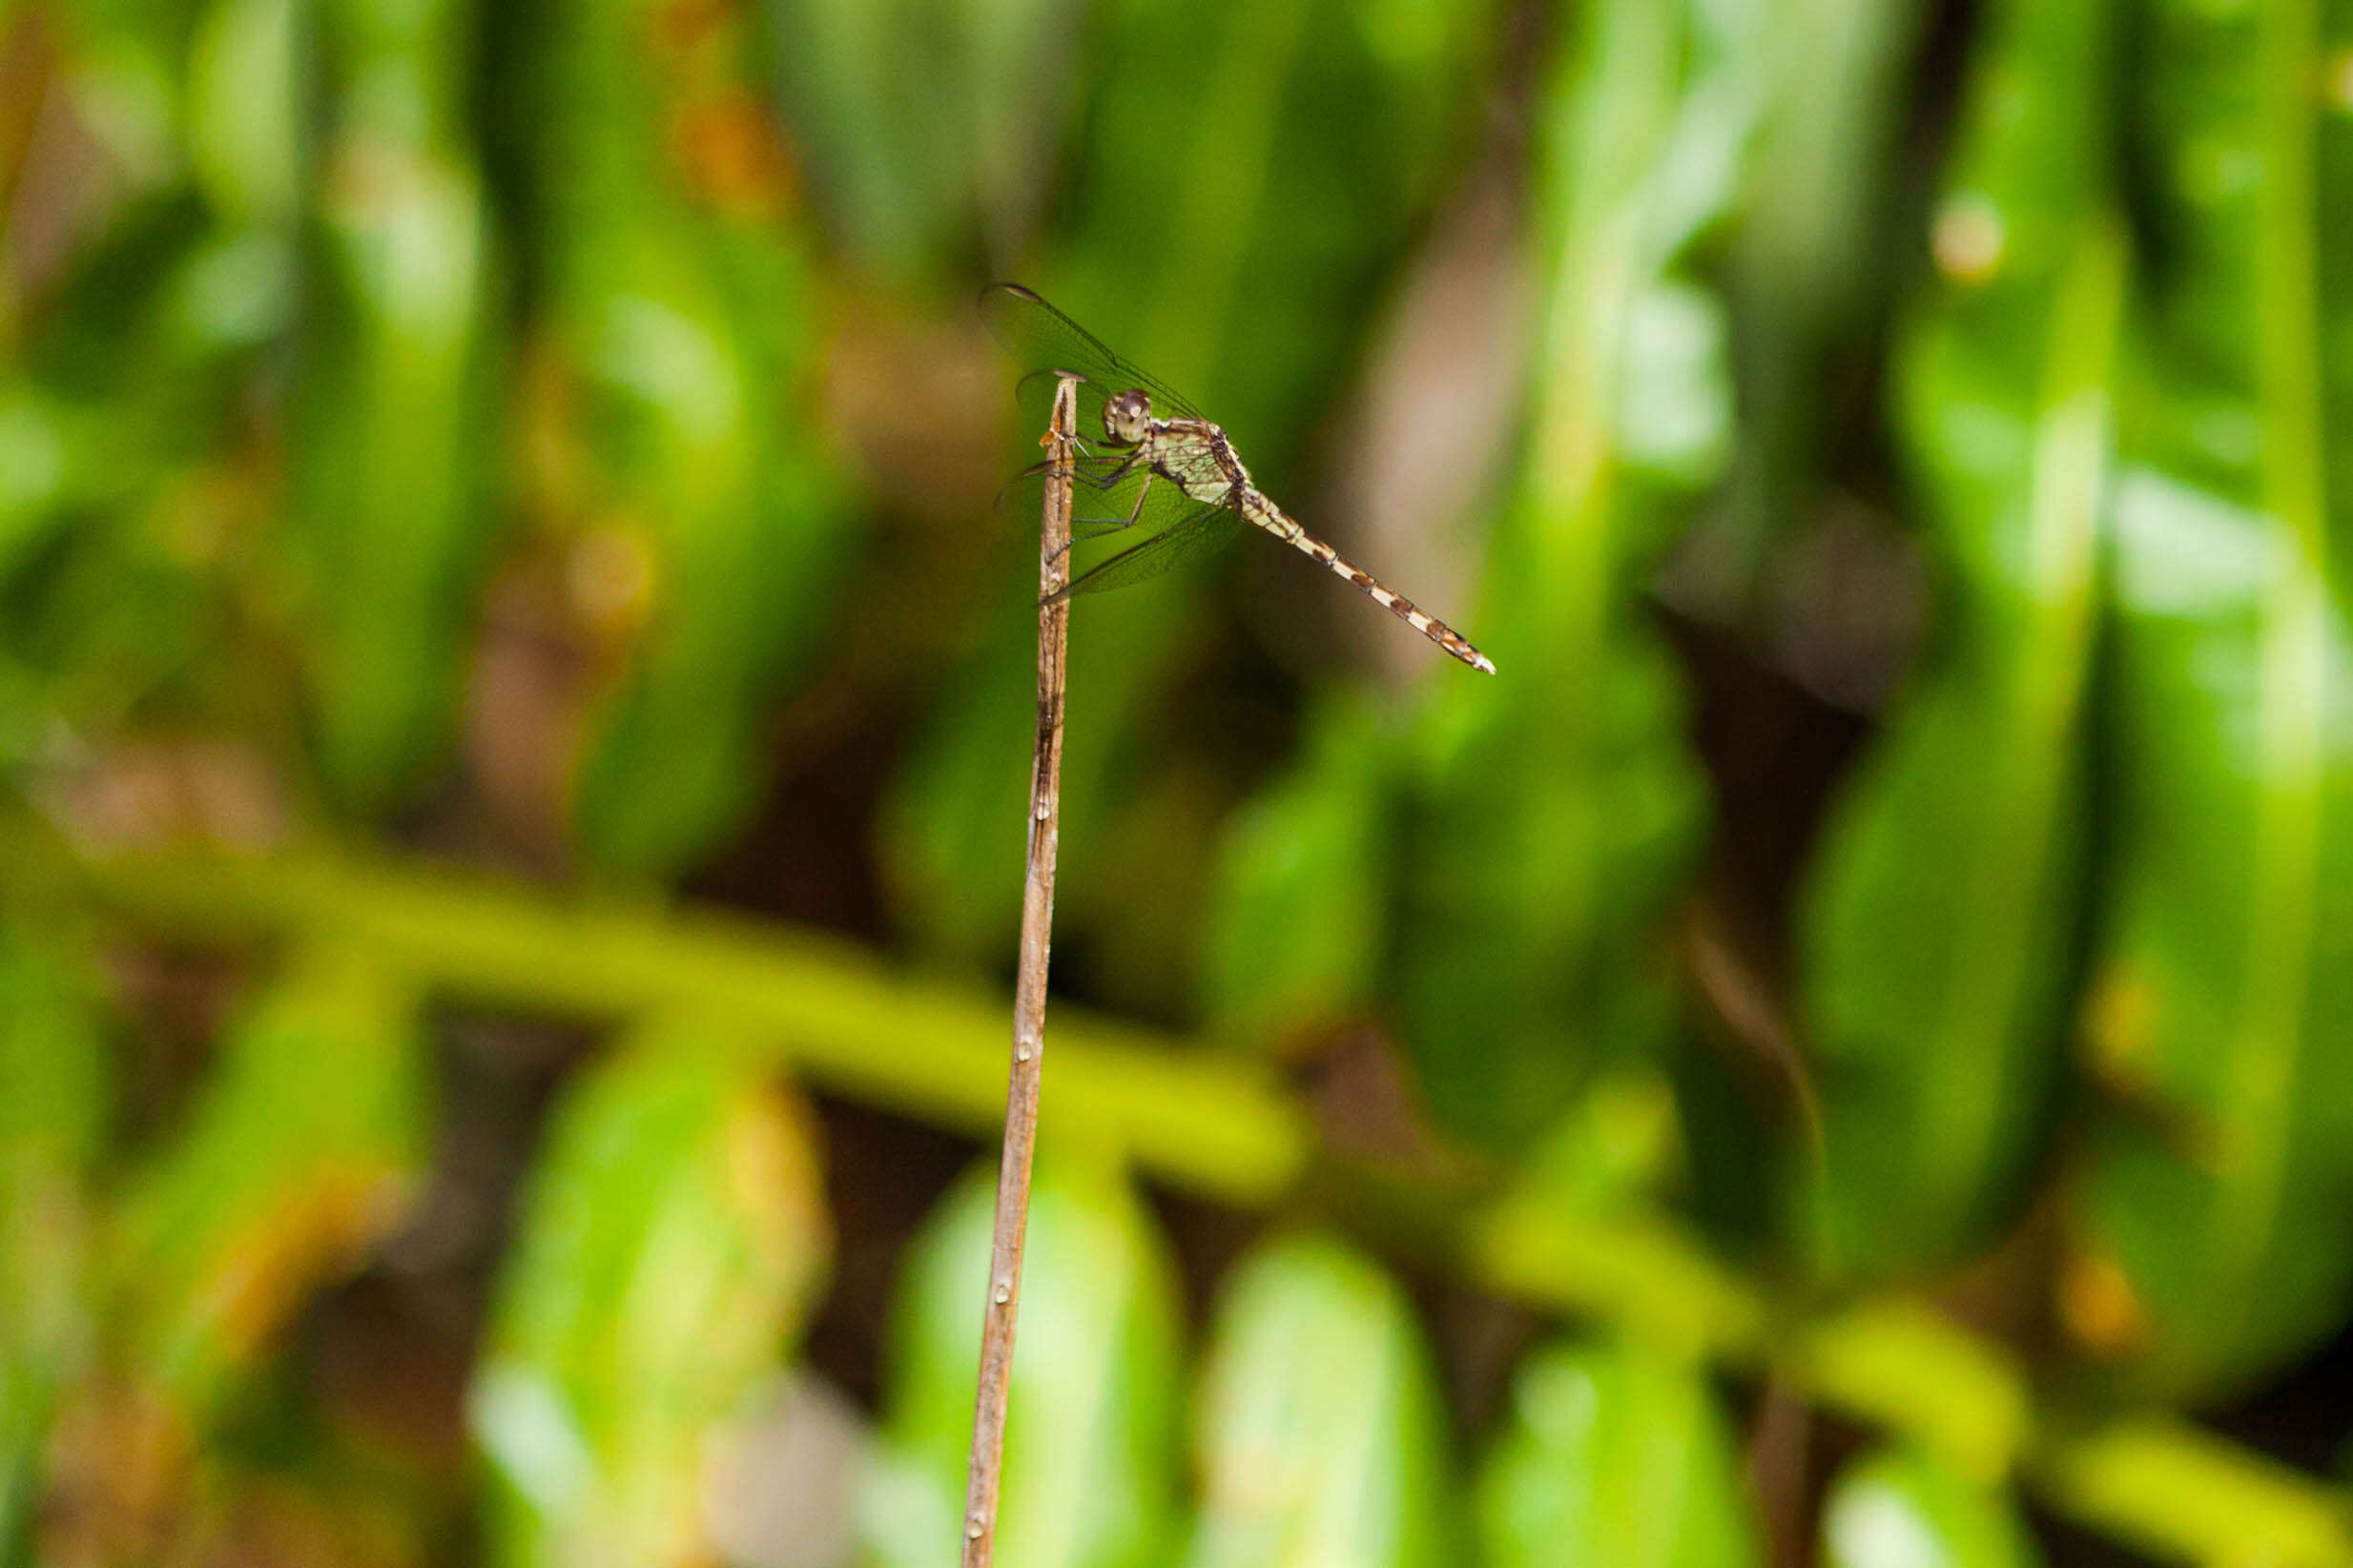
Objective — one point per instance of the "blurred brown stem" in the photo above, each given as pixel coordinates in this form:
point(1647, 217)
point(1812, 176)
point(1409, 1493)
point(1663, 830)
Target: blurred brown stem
point(1004, 1268)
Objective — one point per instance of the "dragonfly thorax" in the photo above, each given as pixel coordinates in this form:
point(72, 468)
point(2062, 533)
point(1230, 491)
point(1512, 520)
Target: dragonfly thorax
point(1127, 416)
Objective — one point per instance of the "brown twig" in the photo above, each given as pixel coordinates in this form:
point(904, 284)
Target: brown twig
point(1004, 1267)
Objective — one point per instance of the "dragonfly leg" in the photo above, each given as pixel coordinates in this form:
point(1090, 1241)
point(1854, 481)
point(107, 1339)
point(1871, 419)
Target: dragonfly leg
point(1101, 528)
point(1083, 472)
point(1122, 471)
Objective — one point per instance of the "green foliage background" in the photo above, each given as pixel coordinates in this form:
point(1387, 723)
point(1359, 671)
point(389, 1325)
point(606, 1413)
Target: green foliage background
point(515, 709)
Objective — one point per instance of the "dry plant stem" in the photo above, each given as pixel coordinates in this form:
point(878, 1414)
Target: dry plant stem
point(1004, 1267)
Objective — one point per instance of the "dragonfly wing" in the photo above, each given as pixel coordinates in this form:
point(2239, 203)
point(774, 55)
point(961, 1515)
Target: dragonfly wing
point(1108, 495)
point(1043, 341)
point(1199, 528)
point(1096, 479)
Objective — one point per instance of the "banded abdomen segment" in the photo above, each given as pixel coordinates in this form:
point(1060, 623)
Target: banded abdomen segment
point(1272, 518)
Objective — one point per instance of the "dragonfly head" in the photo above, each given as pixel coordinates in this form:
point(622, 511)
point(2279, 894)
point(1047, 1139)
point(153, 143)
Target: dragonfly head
point(1127, 416)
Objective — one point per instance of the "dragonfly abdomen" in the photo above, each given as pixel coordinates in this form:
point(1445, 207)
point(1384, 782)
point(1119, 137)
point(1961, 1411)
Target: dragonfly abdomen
point(1270, 517)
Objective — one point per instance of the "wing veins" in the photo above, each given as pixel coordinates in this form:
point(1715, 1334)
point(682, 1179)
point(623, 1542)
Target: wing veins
point(1045, 340)
point(1205, 527)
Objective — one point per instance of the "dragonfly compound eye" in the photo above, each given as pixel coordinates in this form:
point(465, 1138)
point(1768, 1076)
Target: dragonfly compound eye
point(1126, 416)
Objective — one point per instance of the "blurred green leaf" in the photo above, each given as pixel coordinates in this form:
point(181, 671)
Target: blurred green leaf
point(393, 434)
point(1276, 155)
point(1904, 1509)
point(126, 415)
point(300, 1153)
point(1640, 1266)
point(1090, 1440)
point(1820, 234)
point(1841, 70)
point(674, 1240)
point(1676, 421)
point(1943, 921)
point(916, 116)
point(916, 1045)
point(683, 308)
point(2183, 1494)
point(2213, 1242)
point(1909, 1369)
point(245, 131)
point(56, 1092)
point(1322, 1430)
point(1612, 1454)
point(953, 833)
point(1584, 1223)
point(124, 66)
point(1561, 810)
point(1614, 1151)
point(1300, 885)
point(37, 458)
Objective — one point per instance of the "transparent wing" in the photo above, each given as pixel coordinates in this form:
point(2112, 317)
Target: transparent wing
point(1201, 528)
point(1107, 497)
point(1099, 486)
point(1043, 341)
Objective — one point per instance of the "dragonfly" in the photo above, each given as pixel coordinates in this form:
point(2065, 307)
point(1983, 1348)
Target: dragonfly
point(1165, 472)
